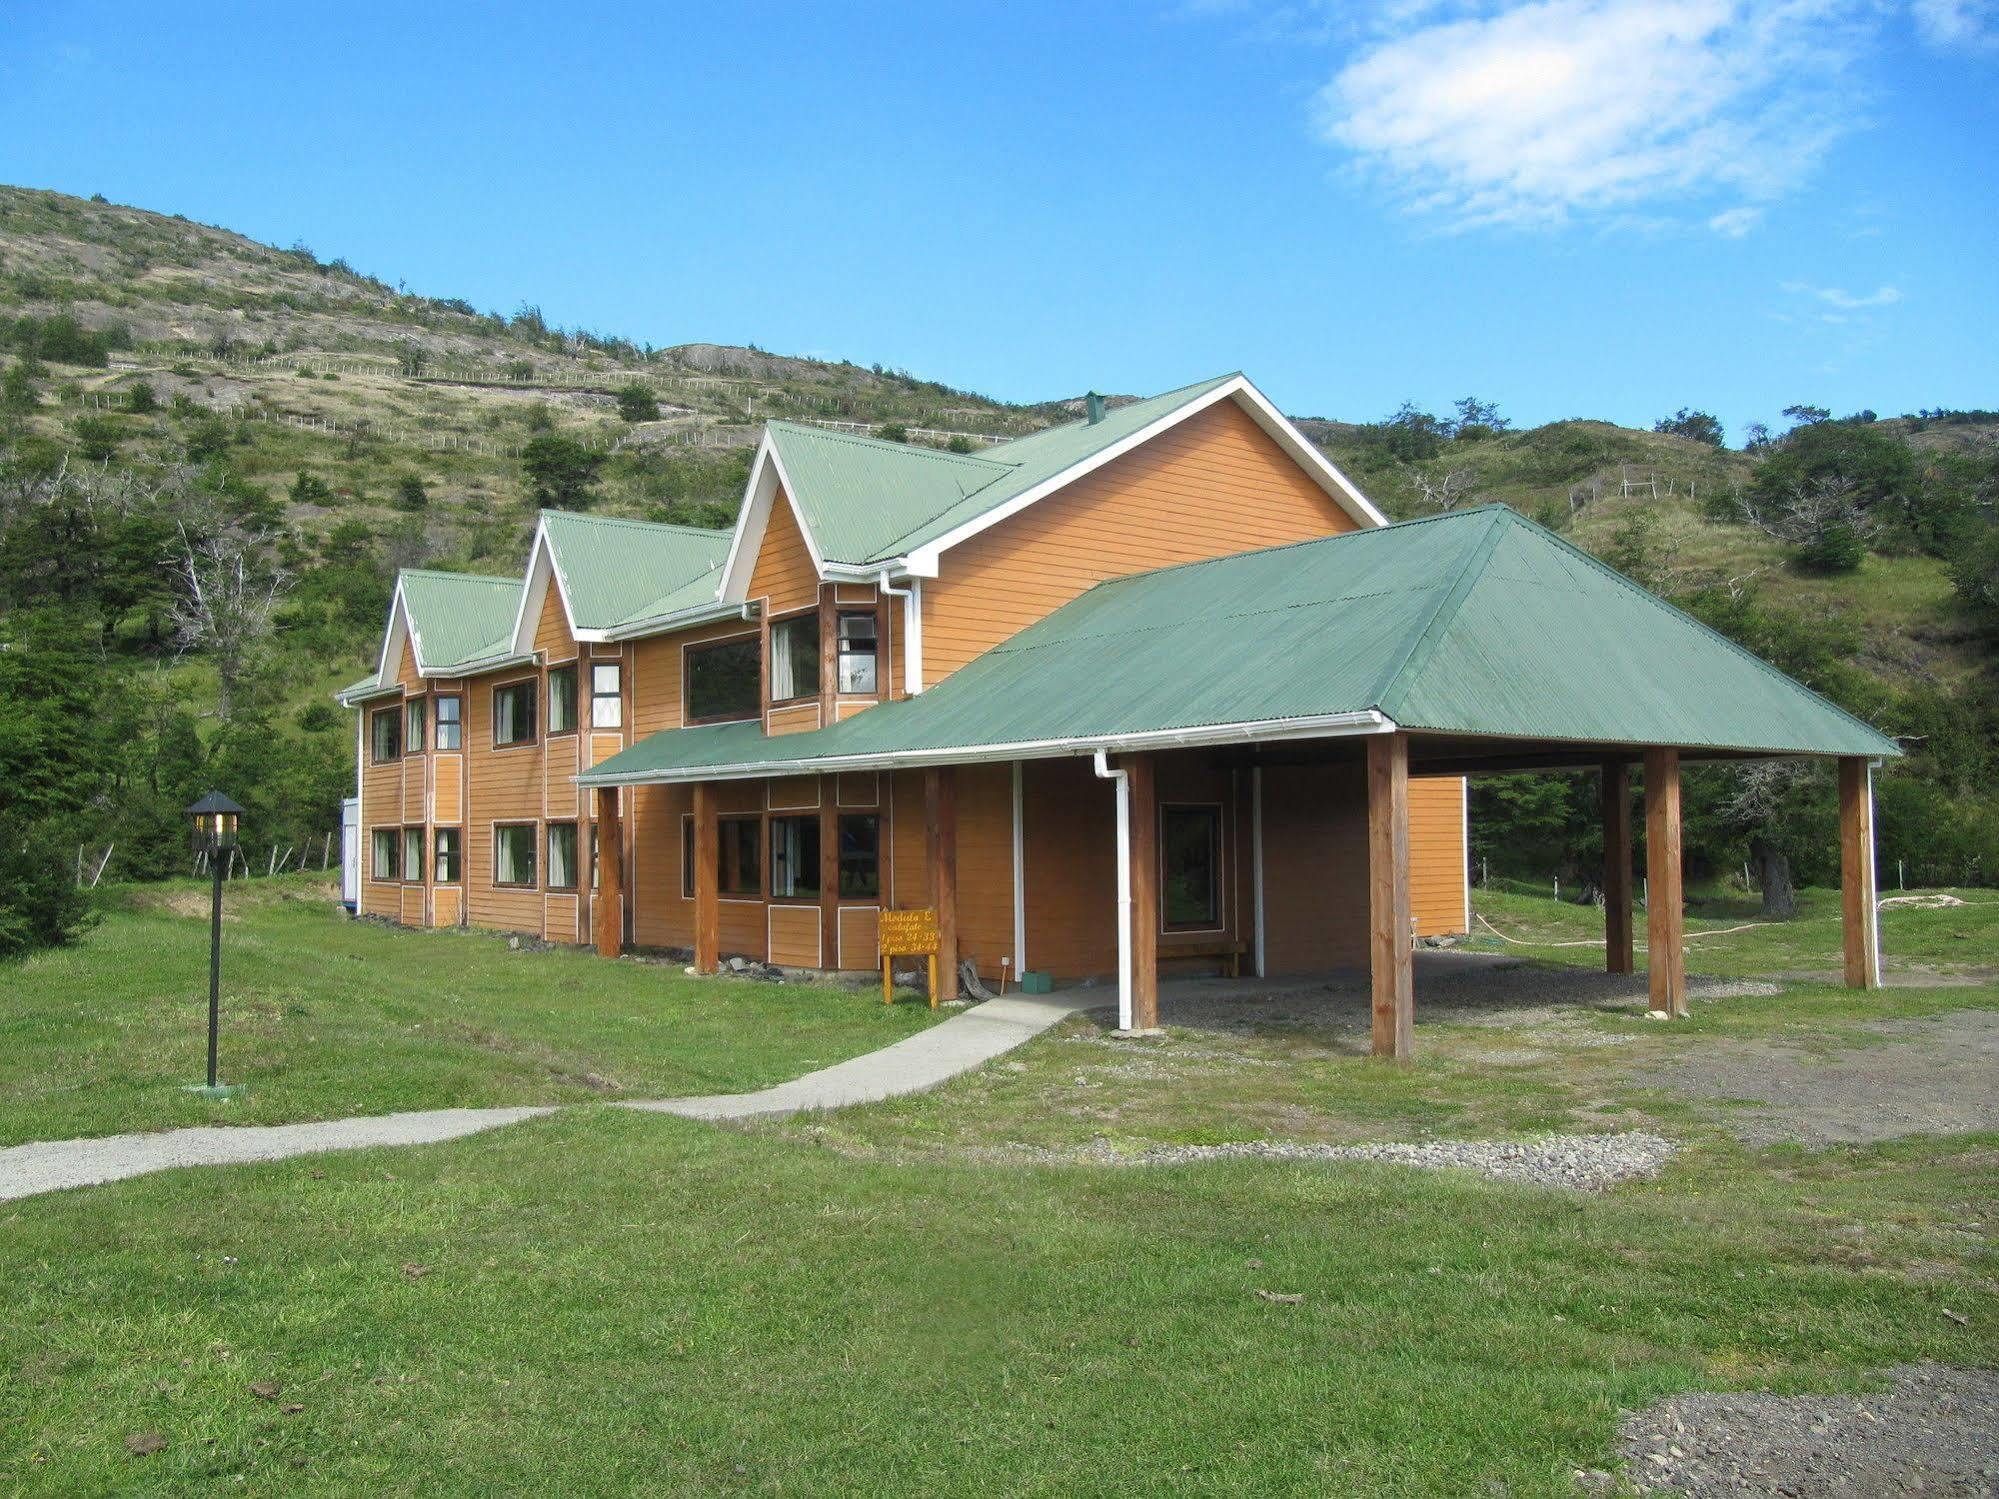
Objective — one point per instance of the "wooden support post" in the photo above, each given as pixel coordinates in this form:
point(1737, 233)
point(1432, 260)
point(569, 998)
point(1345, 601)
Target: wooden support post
point(1665, 898)
point(1617, 947)
point(829, 873)
point(1391, 942)
point(608, 905)
point(1143, 784)
point(940, 811)
point(1859, 895)
point(707, 880)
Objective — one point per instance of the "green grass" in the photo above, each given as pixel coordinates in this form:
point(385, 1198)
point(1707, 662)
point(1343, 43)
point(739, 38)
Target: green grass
point(323, 1016)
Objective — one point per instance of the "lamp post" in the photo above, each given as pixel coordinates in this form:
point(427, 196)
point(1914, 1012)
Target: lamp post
point(214, 818)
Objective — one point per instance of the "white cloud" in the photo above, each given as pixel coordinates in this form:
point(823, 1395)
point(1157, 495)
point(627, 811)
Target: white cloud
point(1733, 223)
point(1537, 113)
point(1957, 25)
point(1844, 300)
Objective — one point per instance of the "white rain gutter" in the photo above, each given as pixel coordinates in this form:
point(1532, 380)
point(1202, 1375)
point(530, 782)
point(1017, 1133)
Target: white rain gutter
point(660, 624)
point(912, 632)
point(1123, 779)
point(1873, 881)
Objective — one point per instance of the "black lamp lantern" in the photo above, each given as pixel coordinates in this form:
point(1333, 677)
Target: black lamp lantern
point(214, 818)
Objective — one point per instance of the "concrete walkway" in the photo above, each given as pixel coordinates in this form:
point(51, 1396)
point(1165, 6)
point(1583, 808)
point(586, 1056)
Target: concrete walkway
point(911, 1065)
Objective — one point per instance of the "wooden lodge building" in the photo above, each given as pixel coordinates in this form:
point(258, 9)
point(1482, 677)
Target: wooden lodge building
point(1159, 690)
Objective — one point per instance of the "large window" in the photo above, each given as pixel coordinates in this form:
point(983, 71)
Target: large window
point(513, 714)
point(738, 844)
point(794, 857)
point(513, 854)
point(562, 856)
point(860, 856)
point(447, 723)
point(1190, 848)
point(413, 725)
point(858, 648)
point(444, 867)
point(561, 699)
point(385, 733)
point(794, 658)
point(607, 702)
point(722, 680)
point(413, 855)
point(385, 847)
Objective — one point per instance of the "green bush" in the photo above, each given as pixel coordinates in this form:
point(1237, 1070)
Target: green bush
point(96, 438)
point(561, 472)
point(637, 404)
point(140, 399)
point(410, 493)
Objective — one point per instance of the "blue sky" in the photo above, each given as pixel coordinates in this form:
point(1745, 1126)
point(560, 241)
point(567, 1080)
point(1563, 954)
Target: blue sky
point(1576, 207)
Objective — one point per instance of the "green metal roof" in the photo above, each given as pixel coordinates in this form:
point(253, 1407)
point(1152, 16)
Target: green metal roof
point(868, 501)
point(617, 572)
point(1478, 622)
point(457, 618)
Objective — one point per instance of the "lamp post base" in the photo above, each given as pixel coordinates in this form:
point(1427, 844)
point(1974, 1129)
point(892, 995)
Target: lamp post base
point(221, 1091)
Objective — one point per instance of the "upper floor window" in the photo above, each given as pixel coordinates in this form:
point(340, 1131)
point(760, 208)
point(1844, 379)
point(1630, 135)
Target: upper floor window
point(561, 699)
point(1190, 850)
point(447, 723)
point(385, 733)
point(413, 726)
point(607, 700)
point(513, 714)
point(722, 680)
point(794, 658)
point(858, 648)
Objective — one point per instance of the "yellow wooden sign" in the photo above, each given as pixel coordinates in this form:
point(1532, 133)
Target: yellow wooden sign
point(908, 934)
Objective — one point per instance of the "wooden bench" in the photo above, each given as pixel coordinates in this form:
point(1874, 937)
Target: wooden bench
point(1231, 951)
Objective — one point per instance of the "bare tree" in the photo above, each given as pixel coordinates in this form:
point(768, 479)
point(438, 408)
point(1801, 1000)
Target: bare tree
point(1811, 515)
point(1441, 488)
point(1763, 806)
point(230, 591)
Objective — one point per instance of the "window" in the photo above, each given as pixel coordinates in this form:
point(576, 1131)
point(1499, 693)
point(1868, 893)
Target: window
point(413, 855)
point(513, 714)
point(385, 728)
point(413, 732)
point(513, 854)
point(562, 856)
point(794, 658)
point(444, 867)
point(722, 680)
point(857, 654)
point(860, 856)
point(447, 723)
point(607, 702)
point(1190, 848)
point(794, 857)
point(384, 865)
point(738, 842)
point(561, 699)
point(593, 856)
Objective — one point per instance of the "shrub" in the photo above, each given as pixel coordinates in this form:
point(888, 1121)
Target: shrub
point(637, 404)
point(561, 471)
point(310, 489)
point(40, 904)
point(892, 432)
point(96, 438)
point(410, 493)
point(140, 399)
point(1697, 425)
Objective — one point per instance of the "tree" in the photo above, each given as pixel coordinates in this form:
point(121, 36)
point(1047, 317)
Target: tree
point(1442, 487)
point(231, 590)
point(310, 489)
point(1825, 489)
point(1821, 517)
point(1766, 810)
point(140, 399)
point(562, 471)
point(636, 403)
point(1477, 420)
point(1410, 435)
point(410, 493)
point(1808, 416)
point(1974, 574)
point(1698, 425)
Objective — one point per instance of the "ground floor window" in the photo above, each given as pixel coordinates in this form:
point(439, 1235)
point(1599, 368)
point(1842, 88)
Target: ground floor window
point(562, 856)
point(794, 857)
point(383, 864)
point(513, 854)
point(738, 843)
point(413, 854)
point(860, 856)
point(444, 866)
point(1190, 847)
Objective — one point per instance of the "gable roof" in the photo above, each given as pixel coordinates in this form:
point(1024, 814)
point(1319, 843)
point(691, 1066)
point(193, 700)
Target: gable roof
point(615, 572)
point(1477, 622)
point(452, 620)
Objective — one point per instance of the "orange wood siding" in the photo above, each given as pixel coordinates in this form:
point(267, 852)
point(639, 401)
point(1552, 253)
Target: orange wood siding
point(1437, 854)
point(784, 574)
point(551, 631)
point(506, 786)
point(985, 865)
point(859, 937)
point(1214, 485)
point(795, 719)
point(660, 673)
point(1071, 838)
point(445, 905)
point(448, 804)
point(795, 936)
point(1314, 868)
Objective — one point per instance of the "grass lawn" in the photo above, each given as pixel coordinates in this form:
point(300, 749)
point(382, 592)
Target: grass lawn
point(323, 1016)
point(601, 1302)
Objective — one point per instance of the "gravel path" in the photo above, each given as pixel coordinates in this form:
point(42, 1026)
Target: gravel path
point(52, 1165)
point(1936, 1431)
point(1585, 1163)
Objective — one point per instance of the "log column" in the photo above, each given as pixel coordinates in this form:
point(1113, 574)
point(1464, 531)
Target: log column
point(940, 810)
point(1390, 938)
point(707, 880)
point(1859, 895)
point(1142, 785)
point(1617, 947)
point(1665, 896)
point(607, 907)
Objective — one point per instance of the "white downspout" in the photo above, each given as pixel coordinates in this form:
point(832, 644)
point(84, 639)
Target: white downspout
point(1873, 881)
point(912, 632)
point(1123, 779)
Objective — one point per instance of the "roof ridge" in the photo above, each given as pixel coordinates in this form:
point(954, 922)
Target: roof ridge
point(456, 577)
point(644, 525)
point(1422, 641)
point(885, 445)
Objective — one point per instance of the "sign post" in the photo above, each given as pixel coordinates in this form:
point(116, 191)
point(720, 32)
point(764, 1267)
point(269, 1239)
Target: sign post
point(908, 934)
